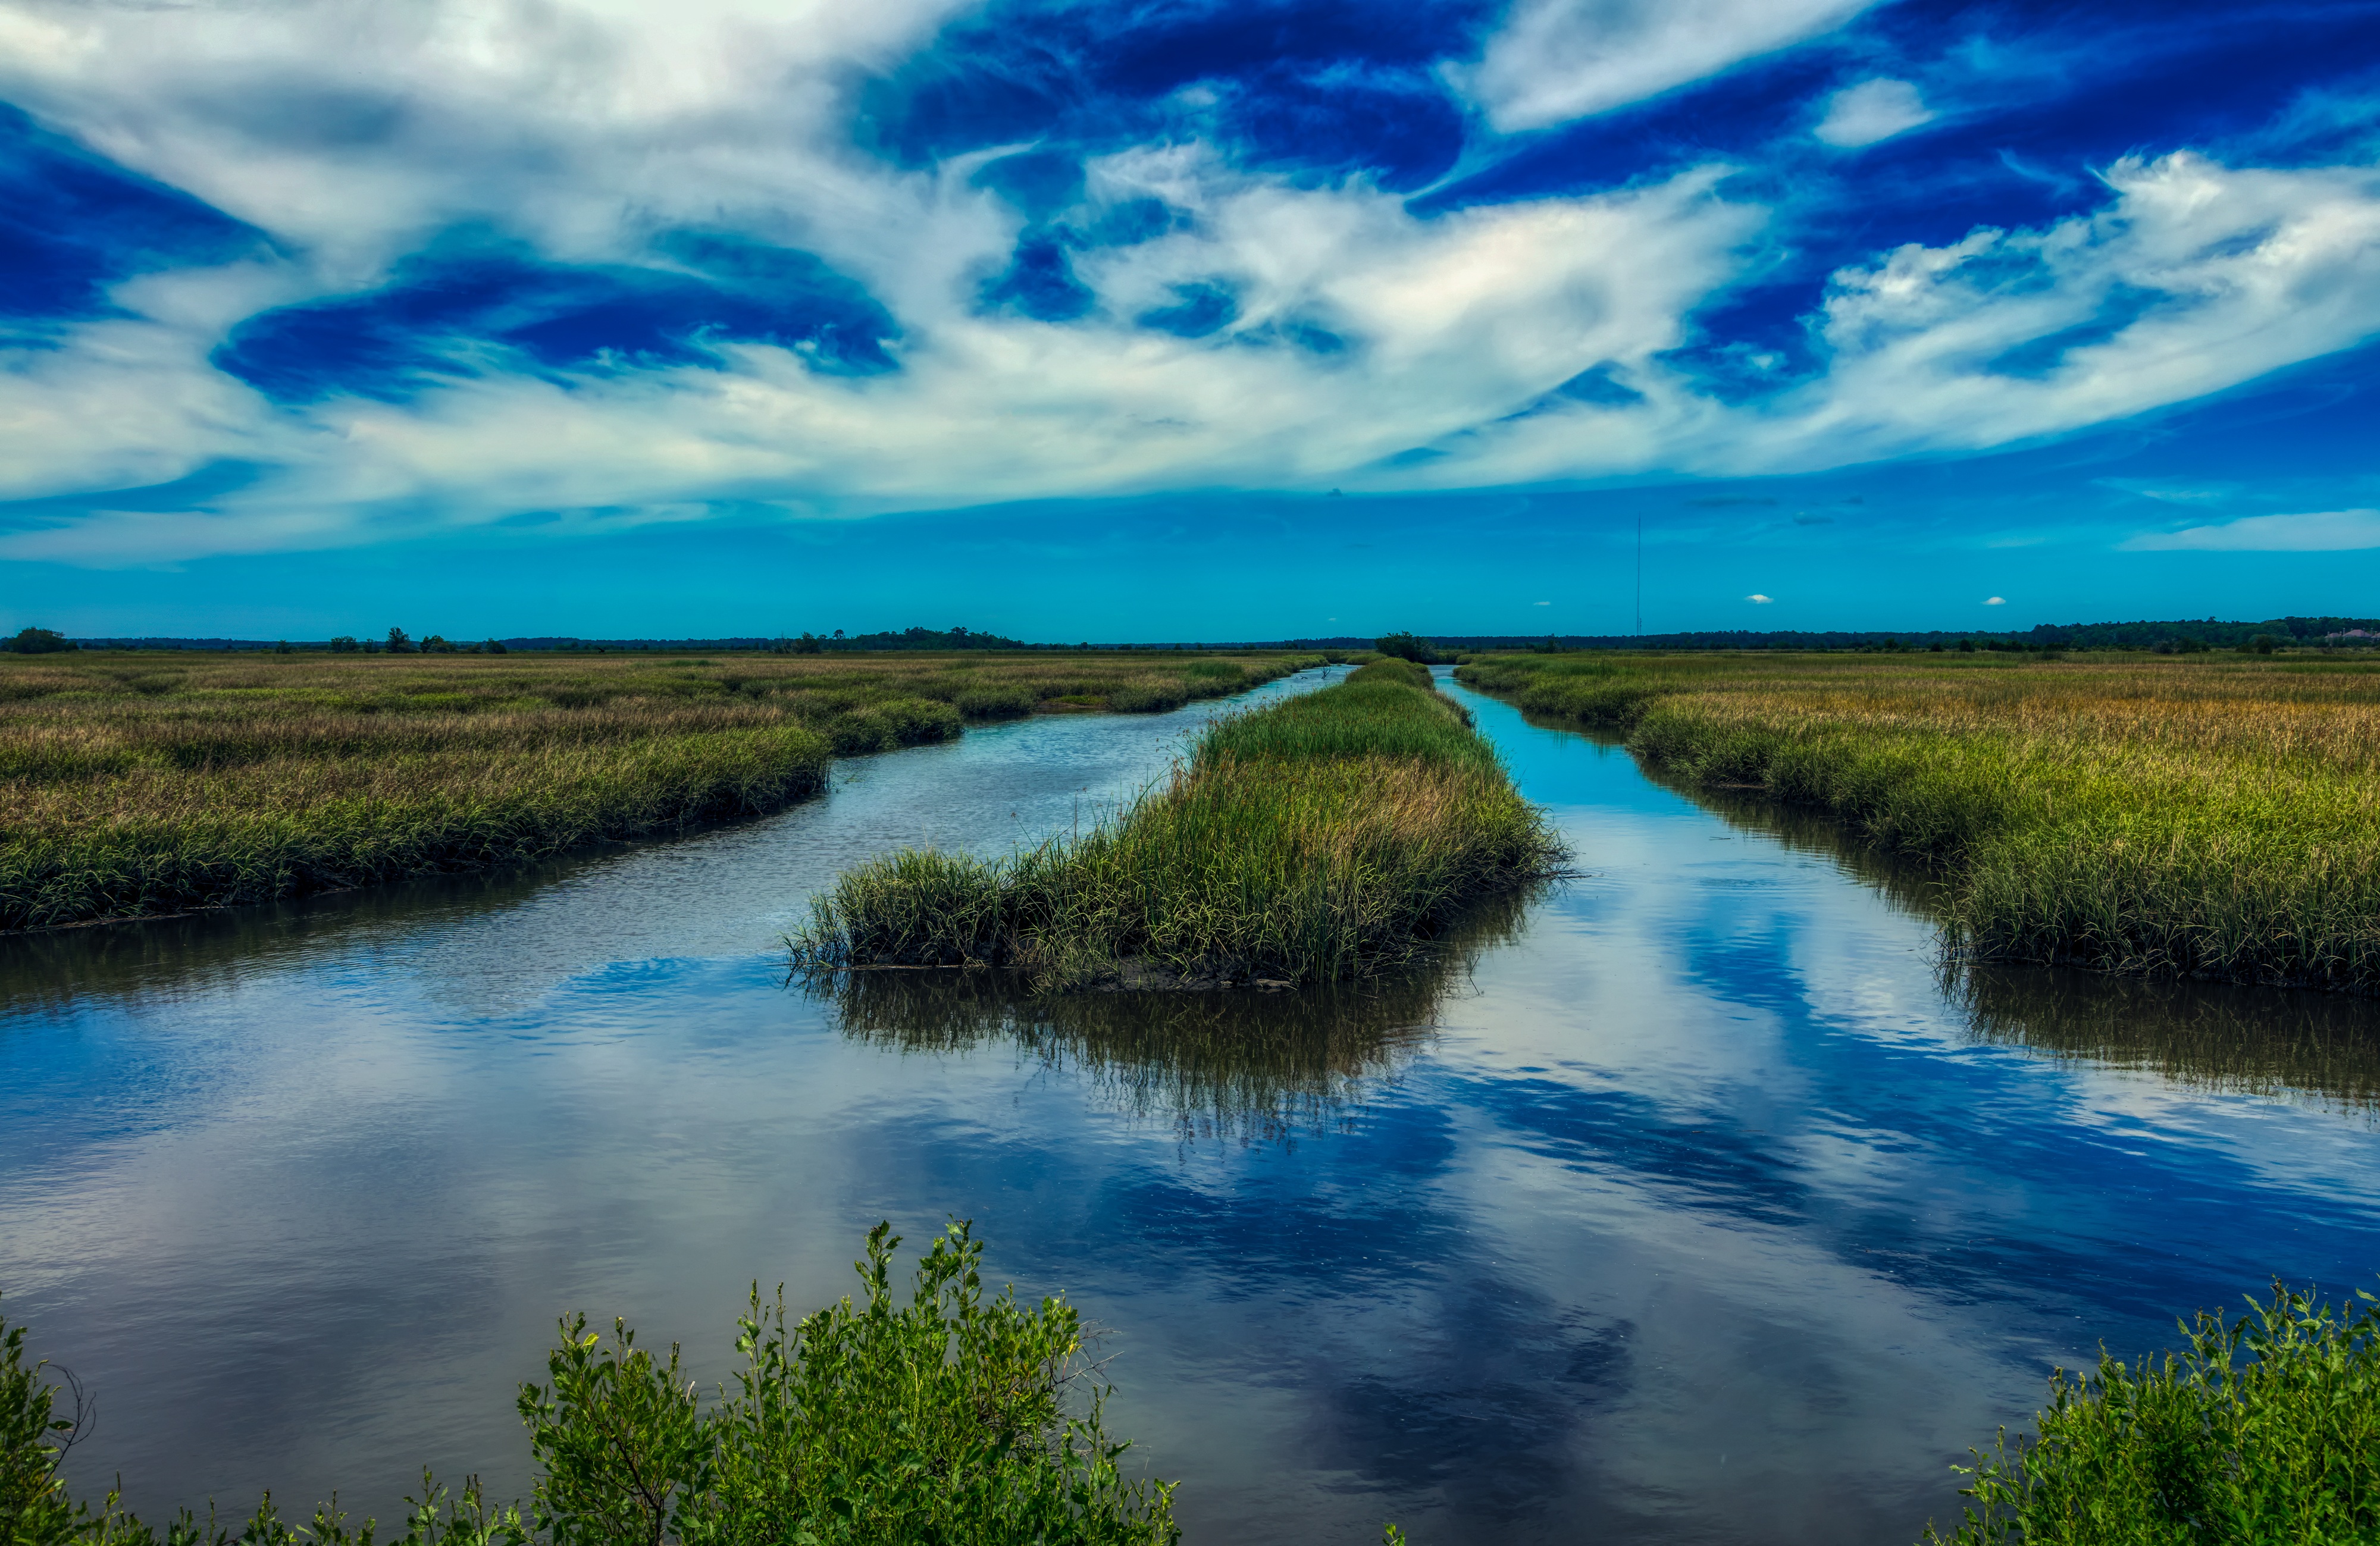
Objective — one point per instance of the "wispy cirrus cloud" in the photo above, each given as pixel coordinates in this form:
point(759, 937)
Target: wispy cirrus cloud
point(1872, 111)
point(620, 263)
point(1556, 60)
point(2321, 531)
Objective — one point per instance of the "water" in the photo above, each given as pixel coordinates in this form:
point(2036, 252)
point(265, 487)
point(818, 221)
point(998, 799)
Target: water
point(1687, 1204)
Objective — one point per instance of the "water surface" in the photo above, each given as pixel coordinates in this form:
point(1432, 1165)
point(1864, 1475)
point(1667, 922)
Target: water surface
point(1688, 1202)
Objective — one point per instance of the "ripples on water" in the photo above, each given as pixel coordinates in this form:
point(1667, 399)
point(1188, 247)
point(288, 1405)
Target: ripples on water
point(1691, 1202)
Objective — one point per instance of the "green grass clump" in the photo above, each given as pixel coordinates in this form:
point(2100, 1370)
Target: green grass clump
point(2266, 1429)
point(946, 1418)
point(1316, 839)
point(2186, 816)
point(138, 784)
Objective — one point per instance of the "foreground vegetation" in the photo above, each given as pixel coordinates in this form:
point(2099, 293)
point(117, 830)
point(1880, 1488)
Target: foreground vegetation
point(2266, 1429)
point(940, 1421)
point(1317, 839)
point(136, 784)
point(2212, 816)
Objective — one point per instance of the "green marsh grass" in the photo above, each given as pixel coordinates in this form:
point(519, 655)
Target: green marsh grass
point(147, 783)
point(1317, 839)
point(2265, 1428)
point(1245, 1067)
point(2197, 815)
point(938, 1416)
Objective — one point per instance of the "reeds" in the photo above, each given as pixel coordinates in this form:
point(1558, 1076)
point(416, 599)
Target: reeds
point(2174, 817)
point(149, 783)
point(1317, 839)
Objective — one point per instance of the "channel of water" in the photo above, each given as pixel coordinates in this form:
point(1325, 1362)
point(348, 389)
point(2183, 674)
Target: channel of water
point(1691, 1202)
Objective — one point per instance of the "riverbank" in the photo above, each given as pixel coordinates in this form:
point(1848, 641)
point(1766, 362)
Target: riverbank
point(140, 784)
point(1317, 839)
point(2189, 817)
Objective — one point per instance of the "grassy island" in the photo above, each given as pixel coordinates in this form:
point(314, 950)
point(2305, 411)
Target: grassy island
point(1316, 839)
point(153, 782)
point(905, 1421)
point(2215, 816)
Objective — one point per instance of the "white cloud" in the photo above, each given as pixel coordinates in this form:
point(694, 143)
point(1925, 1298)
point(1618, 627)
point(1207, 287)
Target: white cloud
point(1759, 600)
point(579, 128)
point(2195, 277)
point(2323, 531)
point(1555, 60)
point(1540, 603)
point(1995, 600)
point(1871, 111)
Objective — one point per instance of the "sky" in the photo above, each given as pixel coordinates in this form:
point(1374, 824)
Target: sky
point(1103, 320)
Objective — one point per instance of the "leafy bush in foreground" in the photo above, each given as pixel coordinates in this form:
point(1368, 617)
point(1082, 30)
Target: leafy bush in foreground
point(2266, 1428)
point(937, 1423)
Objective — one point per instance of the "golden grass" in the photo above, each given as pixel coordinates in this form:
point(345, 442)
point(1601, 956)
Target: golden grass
point(1319, 839)
point(143, 783)
point(2215, 818)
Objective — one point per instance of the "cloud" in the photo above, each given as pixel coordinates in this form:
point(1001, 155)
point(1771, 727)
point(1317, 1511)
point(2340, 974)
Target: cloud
point(1872, 111)
point(1759, 600)
point(629, 264)
point(1555, 60)
point(1995, 600)
point(1540, 603)
point(2195, 277)
point(2325, 531)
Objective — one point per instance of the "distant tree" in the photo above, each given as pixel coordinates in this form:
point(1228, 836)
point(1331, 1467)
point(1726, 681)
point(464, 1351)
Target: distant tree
point(399, 642)
point(1407, 647)
point(1966, 646)
point(2262, 643)
point(41, 641)
point(436, 645)
point(809, 643)
point(838, 633)
point(495, 646)
point(344, 645)
point(283, 649)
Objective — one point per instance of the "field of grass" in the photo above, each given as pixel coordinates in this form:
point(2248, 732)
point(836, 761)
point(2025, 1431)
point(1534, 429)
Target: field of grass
point(2215, 817)
point(2264, 1429)
point(914, 1419)
point(1319, 839)
point(145, 783)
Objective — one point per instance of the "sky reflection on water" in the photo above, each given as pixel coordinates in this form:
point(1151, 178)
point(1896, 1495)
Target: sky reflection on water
point(1690, 1203)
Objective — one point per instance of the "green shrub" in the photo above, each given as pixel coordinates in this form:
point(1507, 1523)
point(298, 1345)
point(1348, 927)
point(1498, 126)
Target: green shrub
point(2266, 1429)
point(948, 1418)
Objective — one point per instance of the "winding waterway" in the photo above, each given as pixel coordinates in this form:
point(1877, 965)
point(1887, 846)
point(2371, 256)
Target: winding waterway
point(1688, 1202)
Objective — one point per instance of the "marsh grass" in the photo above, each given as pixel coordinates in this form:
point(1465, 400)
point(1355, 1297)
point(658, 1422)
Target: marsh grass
point(951, 1416)
point(147, 783)
point(2206, 816)
point(2265, 1428)
point(1238, 1066)
point(1322, 838)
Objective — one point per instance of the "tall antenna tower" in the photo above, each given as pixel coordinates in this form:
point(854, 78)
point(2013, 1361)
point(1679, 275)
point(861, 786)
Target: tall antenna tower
point(1640, 574)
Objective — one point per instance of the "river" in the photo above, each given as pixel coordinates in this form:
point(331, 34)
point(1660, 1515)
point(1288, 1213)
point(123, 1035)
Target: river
point(1690, 1202)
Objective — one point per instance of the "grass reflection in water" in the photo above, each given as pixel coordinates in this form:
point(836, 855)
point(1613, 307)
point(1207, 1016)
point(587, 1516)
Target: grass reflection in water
point(1258, 1067)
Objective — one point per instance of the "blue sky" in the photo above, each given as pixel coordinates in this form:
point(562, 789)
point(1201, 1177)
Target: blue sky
point(1109, 320)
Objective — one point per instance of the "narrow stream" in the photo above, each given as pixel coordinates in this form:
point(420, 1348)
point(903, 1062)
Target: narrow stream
point(1688, 1202)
